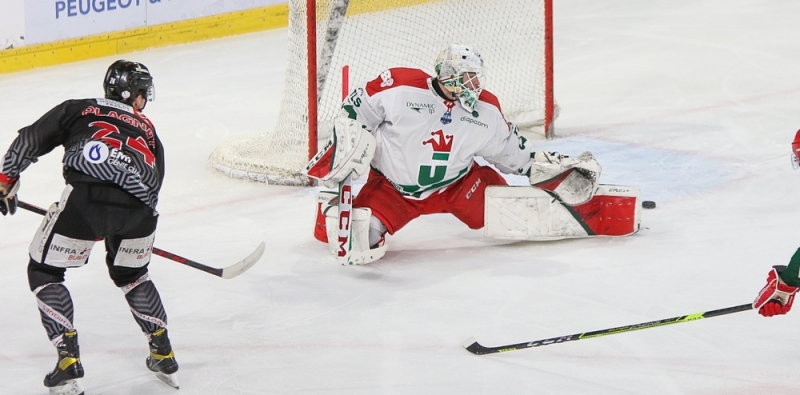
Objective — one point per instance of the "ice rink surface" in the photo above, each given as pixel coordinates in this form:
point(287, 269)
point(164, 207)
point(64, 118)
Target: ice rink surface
point(695, 102)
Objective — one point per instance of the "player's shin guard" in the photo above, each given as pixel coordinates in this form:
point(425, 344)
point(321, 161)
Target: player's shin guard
point(360, 251)
point(55, 308)
point(146, 307)
point(145, 304)
point(57, 311)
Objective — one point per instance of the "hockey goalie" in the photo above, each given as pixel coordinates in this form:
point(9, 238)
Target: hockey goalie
point(416, 136)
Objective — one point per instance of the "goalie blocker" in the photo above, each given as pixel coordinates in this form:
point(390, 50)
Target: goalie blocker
point(525, 213)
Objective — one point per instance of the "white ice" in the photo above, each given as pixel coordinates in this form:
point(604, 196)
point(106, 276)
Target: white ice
point(696, 102)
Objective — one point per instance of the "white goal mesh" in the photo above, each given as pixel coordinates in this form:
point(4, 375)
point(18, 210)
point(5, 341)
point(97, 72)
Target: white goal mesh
point(375, 35)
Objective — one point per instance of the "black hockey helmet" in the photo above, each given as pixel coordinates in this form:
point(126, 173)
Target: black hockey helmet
point(124, 80)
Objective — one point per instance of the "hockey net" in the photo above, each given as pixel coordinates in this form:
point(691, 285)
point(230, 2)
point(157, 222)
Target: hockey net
point(370, 36)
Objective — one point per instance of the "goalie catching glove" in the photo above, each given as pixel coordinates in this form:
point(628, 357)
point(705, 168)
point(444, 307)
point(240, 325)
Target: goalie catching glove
point(574, 181)
point(8, 195)
point(350, 149)
point(776, 297)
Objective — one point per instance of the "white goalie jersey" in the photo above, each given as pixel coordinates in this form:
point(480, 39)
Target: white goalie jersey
point(425, 142)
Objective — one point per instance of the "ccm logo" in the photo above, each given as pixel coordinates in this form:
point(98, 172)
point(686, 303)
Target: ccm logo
point(345, 211)
point(473, 189)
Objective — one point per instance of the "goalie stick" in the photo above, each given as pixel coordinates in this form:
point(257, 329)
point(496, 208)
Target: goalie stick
point(345, 231)
point(476, 348)
point(227, 272)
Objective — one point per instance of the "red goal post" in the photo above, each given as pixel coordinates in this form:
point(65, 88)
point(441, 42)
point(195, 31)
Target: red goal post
point(514, 36)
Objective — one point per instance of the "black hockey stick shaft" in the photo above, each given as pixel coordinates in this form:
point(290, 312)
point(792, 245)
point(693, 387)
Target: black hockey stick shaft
point(228, 272)
point(188, 262)
point(476, 348)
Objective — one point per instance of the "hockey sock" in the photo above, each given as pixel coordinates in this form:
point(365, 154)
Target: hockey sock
point(55, 308)
point(145, 304)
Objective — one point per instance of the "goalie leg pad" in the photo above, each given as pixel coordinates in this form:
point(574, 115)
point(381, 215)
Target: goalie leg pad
point(360, 253)
point(613, 211)
point(523, 213)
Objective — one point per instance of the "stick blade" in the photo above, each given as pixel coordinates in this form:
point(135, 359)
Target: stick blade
point(245, 264)
point(474, 347)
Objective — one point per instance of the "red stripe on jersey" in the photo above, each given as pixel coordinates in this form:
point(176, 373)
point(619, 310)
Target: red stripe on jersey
point(399, 76)
point(490, 98)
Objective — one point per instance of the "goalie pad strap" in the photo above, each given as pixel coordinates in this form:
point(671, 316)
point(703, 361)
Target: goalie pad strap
point(326, 200)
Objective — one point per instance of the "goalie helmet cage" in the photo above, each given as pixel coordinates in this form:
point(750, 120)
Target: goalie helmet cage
point(514, 36)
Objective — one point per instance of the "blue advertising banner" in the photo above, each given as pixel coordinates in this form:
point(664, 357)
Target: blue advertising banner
point(53, 20)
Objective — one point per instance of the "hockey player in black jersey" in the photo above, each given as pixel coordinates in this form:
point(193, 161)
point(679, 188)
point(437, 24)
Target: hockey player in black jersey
point(113, 166)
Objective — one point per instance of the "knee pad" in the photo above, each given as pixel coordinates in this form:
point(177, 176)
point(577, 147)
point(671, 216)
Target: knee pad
point(123, 276)
point(40, 274)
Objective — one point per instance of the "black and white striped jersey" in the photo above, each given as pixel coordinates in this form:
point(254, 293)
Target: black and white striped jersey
point(104, 139)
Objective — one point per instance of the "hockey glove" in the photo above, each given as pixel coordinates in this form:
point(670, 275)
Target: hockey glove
point(8, 197)
point(776, 297)
point(550, 158)
point(350, 150)
point(573, 180)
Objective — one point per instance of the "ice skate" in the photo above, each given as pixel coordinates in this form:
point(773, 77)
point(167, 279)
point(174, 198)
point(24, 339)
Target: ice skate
point(162, 360)
point(69, 387)
point(63, 380)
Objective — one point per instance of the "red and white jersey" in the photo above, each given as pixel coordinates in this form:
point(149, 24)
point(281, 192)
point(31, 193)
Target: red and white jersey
point(426, 142)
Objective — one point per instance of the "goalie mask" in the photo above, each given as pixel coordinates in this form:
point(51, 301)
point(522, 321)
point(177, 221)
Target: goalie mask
point(125, 80)
point(460, 70)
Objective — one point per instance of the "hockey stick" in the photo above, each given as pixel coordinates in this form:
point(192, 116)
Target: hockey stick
point(345, 231)
point(225, 272)
point(476, 348)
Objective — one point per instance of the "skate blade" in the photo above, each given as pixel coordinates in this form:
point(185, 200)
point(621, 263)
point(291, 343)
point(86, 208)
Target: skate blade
point(169, 379)
point(70, 387)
